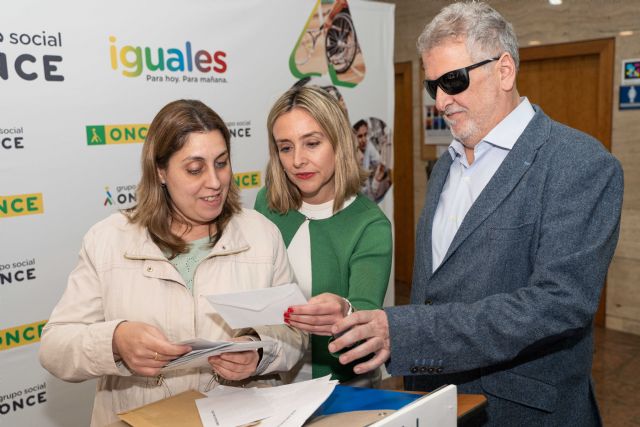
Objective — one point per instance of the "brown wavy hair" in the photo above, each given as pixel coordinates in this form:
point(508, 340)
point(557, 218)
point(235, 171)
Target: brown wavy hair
point(167, 134)
point(282, 194)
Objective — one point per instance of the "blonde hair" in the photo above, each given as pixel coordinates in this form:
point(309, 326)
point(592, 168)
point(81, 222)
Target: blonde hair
point(282, 194)
point(168, 133)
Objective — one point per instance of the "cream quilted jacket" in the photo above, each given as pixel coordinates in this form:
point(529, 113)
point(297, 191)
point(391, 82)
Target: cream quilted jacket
point(122, 275)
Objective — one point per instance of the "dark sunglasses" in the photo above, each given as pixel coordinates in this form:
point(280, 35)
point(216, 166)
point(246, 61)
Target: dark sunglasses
point(453, 82)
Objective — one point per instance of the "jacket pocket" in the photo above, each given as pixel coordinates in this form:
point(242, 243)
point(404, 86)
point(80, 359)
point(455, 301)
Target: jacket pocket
point(526, 391)
point(512, 234)
point(131, 392)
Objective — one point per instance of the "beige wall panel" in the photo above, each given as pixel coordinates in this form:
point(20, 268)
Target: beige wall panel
point(629, 241)
point(623, 299)
point(623, 325)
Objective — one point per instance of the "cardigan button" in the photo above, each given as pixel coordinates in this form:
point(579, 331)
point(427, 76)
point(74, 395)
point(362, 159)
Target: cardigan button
point(428, 301)
point(414, 369)
point(149, 269)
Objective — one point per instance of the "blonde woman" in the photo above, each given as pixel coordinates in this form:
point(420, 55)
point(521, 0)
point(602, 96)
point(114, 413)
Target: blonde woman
point(338, 241)
point(140, 284)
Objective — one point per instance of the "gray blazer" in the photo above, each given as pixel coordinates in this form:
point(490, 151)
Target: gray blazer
point(509, 311)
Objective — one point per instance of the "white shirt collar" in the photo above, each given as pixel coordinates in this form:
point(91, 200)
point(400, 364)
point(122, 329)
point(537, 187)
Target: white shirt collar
point(507, 132)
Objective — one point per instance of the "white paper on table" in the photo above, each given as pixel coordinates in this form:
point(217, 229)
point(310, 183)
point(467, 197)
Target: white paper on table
point(203, 349)
point(257, 307)
point(221, 390)
point(297, 402)
point(290, 405)
point(234, 408)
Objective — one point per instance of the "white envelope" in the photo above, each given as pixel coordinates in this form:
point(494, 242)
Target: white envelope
point(258, 307)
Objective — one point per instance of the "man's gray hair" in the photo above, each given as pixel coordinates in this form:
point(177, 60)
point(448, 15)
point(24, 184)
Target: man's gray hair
point(486, 32)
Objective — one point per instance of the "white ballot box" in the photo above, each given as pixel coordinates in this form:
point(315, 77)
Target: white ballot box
point(436, 409)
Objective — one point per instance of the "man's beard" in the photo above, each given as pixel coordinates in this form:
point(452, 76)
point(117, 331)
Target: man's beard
point(461, 135)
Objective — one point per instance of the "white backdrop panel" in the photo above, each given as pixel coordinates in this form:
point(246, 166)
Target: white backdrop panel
point(76, 184)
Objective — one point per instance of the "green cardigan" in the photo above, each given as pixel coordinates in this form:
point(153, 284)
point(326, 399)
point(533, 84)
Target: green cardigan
point(350, 256)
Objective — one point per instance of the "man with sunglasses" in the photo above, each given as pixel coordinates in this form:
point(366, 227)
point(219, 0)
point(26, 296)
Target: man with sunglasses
point(520, 222)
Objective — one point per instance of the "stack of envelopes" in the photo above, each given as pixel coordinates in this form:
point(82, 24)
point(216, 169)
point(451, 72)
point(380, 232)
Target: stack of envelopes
point(203, 349)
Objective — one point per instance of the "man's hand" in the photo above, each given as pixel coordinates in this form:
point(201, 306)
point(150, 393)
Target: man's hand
point(371, 327)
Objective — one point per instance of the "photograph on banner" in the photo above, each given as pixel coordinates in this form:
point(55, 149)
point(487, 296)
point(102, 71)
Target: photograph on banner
point(375, 153)
point(328, 44)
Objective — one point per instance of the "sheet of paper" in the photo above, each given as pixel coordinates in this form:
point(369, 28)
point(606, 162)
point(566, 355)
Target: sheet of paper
point(283, 406)
point(203, 349)
point(257, 307)
point(297, 402)
point(235, 408)
point(221, 390)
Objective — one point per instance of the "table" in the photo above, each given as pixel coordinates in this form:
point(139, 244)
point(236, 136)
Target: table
point(184, 409)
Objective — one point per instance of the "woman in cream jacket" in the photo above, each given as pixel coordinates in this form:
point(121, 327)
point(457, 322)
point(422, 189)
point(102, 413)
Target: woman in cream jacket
point(142, 277)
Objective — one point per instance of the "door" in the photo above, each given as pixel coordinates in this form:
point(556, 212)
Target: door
point(404, 231)
point(572, 83)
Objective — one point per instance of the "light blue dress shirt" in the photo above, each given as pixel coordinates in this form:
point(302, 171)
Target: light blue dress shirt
point(465, 182)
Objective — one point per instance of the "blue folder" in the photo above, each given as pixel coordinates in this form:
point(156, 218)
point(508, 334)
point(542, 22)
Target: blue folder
point(346, 398)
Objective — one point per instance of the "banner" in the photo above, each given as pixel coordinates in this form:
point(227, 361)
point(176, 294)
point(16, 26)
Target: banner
point(80, 83)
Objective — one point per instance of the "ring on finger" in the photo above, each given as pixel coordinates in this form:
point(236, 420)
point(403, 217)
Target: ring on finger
point(155, 356)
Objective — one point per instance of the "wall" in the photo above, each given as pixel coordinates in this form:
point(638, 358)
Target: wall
point(574, 20)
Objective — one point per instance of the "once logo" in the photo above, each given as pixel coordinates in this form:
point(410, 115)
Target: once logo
point(21, 335)
point(22, 271)
point(12, 138)
point(27, 66)
point(124, 195)
point(247, 179)
point(116, 134)
point(21, 204)
point(109, 199)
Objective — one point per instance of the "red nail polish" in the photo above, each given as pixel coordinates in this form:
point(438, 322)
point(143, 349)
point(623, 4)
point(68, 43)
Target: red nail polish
point(290, 310)
point(286, 321)
point(286, 315)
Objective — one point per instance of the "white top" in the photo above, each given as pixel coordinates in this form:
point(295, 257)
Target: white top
point(465, 182)
point(299, 252)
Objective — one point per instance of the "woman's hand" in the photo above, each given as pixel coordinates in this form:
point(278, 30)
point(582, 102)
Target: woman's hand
point(144, 348)
point(236, 366)
point(318, 315)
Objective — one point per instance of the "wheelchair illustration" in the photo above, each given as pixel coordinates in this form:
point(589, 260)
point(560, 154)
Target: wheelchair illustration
point(341, 44)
